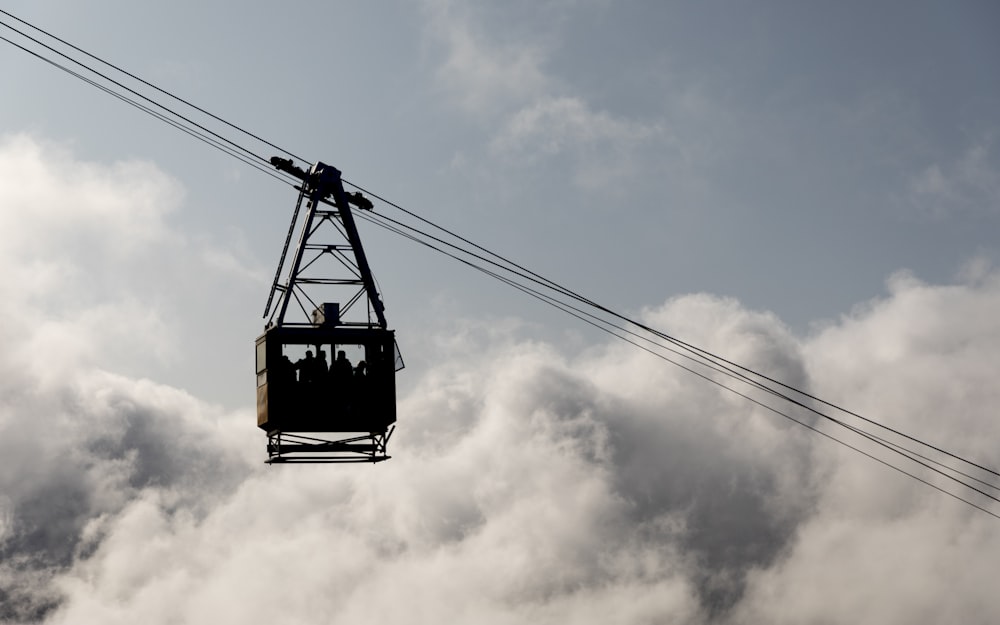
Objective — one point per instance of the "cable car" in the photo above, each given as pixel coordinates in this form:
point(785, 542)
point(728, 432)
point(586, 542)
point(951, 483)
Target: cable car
point(314, 408)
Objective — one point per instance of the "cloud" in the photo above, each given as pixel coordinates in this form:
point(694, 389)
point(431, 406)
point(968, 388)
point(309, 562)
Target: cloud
point(59, 205)
point(96, 270)
point(503, 83)
point(76, 454)
point(553, 126)
point(78, 242)
point(968, 184)
point(78, 443)
point(894, 551)
point(525, 485)
point(485, 76)
point(531, 487)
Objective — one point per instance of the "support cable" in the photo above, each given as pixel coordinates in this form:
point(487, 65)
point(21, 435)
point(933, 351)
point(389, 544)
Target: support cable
point(541, 280)
point(179, 126)
point(603, 325)
point(128, 89)
point(152, 86)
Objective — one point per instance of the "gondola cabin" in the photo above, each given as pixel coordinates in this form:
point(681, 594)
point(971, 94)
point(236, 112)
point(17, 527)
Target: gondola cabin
point(326, 378)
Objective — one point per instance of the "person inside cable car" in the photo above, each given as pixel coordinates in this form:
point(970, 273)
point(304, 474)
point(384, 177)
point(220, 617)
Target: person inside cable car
point(306, 367)
point(321, 367)
point(360, 382)
point(342, 370)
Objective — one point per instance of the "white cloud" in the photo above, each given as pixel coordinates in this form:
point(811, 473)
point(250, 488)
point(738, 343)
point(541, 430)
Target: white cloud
point(486, 77)
point(969, 184)
point(95, 269)
point(922, 360)
point(505, 85)
point(525, 486)
point(78, 244)
point(603, 144)
point(55, 204)
point(528, 487)
point(79, 452)
point(614, 487)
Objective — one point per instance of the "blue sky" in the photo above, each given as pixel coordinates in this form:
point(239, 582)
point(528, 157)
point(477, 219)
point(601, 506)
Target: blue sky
point(826, 177)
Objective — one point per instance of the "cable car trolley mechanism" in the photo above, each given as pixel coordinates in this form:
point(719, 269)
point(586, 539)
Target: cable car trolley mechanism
point(326, 389)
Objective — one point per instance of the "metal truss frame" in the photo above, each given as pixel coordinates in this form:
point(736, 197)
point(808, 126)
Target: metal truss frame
point(285, 448)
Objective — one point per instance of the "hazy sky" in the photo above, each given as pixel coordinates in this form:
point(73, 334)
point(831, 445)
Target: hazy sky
point(811, 189)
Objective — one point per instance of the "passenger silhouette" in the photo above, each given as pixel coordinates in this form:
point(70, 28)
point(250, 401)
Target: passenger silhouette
point(306, 367)
point(342, 367)
point(360, 382)
point(321, 367)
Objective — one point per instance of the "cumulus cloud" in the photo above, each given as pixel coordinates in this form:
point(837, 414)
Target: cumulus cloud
point(562, 496)
point(95, 268)
point(526, 486)
point(59, 203)
point(77, 243)
point(892, 550)
point(531, 487)
point(79, 443)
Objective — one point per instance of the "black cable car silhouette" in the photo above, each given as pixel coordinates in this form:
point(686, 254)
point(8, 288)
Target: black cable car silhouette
point(313, 409)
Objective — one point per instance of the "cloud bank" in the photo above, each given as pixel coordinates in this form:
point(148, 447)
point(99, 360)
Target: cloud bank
point(526, 486)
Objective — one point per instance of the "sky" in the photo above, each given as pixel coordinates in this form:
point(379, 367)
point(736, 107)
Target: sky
point(812, 190)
